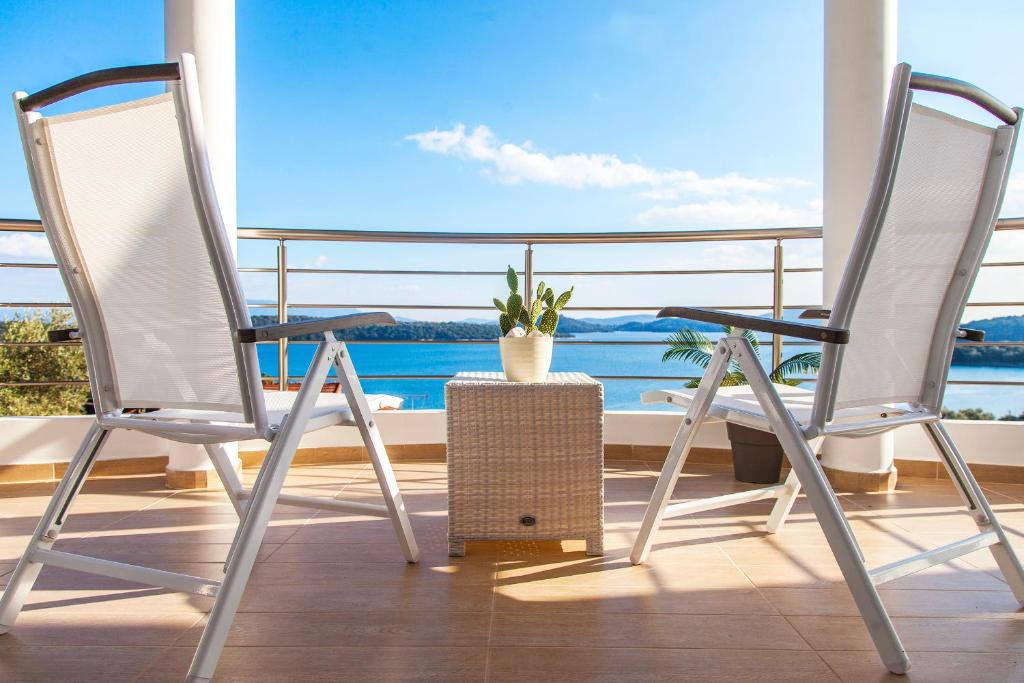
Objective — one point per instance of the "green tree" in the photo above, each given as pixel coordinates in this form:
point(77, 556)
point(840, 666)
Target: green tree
point(40, 364)
point(690, 345)
point(967, 414)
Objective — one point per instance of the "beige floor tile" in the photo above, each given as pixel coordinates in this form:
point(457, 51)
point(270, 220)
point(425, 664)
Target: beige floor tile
point(615, 571)
point(929, 667)
point(428, 572)
point(355, 628)
point(132, 601)
point(958, 575)
point(917, 634)
point(740, 632)
point(599, 665)
point(899, 603)
point(652, 599)
point(45, 663)
point(338, 597)
point(147, 552)
point(59, 628)
point(335, 664)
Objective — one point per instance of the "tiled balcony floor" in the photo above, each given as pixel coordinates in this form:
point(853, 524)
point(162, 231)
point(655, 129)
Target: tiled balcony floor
point(332, 600)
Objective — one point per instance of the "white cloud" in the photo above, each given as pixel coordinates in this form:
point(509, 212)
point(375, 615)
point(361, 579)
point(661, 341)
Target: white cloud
point(320, 261)
point(21, 245)
point(511, 163)
point(521, 163)
point(743, 212)
point(682, 183)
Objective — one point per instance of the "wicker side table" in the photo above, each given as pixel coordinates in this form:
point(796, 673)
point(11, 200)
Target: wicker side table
point(525, 461)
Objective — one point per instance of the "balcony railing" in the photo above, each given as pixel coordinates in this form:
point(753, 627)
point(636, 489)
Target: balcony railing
point(528, 241)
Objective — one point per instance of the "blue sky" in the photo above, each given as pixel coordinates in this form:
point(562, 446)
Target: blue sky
point(526, 115)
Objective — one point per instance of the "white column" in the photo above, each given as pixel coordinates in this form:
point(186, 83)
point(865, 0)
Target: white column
point(206, 29)
point(860, 54)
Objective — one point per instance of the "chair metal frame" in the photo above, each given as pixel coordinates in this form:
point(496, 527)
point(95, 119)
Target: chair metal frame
point(254, 506)
point(802, 441)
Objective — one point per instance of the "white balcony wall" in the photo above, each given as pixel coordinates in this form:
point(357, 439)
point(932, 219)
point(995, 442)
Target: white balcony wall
point(29, 440)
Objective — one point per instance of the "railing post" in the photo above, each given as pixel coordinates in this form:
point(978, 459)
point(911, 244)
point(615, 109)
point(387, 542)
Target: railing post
point(777, 309)
point(282, 314)
point(528, 276)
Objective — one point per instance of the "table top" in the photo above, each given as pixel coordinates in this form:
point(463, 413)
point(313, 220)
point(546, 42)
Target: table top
point(579, 378)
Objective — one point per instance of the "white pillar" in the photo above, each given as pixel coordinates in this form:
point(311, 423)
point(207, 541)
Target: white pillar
point(860, 54)
point(206, 28)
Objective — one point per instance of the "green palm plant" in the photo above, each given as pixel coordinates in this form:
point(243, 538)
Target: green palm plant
point(696, 347)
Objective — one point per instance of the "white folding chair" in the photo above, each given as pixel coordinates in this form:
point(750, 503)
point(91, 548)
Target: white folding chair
point(887, 343)
point(128, 205)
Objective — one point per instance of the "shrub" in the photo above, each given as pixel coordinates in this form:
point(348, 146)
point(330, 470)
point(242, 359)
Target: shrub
point(967, 414)
point(40, 364)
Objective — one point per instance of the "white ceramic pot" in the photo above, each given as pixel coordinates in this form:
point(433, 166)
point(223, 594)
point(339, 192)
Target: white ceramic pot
point(526, 359)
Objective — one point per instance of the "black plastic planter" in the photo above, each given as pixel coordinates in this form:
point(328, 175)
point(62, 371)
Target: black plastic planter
point(756, 455)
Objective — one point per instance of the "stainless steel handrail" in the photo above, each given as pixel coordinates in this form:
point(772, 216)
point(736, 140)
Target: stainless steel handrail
point(528, 240)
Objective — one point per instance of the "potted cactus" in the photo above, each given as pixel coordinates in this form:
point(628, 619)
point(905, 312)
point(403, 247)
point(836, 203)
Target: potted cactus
point(528, 330)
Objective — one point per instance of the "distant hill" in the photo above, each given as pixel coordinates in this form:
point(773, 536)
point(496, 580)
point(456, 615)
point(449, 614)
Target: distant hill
point(617, 320)
point(569, 325)
point(667, 325)
point(403, 331)
point(1005, 328)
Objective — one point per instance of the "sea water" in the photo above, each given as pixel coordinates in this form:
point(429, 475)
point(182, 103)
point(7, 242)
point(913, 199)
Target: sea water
point(594, 359)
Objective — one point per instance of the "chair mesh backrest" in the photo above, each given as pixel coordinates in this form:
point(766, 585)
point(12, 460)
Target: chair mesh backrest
point(130, 224)
point(931, 210)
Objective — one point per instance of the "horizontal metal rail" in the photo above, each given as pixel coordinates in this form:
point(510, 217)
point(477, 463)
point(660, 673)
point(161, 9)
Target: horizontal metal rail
point(454, 237)
point(778, 235)
point(930, 558)
point(496, 273)
point(183, 583)
point(728, 500)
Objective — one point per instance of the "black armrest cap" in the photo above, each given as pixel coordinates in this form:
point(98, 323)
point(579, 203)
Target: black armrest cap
point(968, 334)
point(316, 326)
point(64, 335)
point(822, 333)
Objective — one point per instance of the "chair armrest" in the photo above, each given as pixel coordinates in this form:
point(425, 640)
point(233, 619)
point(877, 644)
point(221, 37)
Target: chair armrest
point(71, 334)
point(250, 335)
point(816, 314)
point(968, 334)
point(829, 335)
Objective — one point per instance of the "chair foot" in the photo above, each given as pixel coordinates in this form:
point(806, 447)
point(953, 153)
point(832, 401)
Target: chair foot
point(595, 545)
point(900, 668)
point(456, 548)
point(196, 679)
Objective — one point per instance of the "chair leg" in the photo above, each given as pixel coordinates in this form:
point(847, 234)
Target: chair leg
point(784, 504)
point(378, 454)
point(676, 457)
point(978, 505)
point(257, 515)
point(827, 510)
point(49, 527)
point(228, 477)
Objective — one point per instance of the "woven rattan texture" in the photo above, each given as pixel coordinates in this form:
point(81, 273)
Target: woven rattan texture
point(520, 451)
